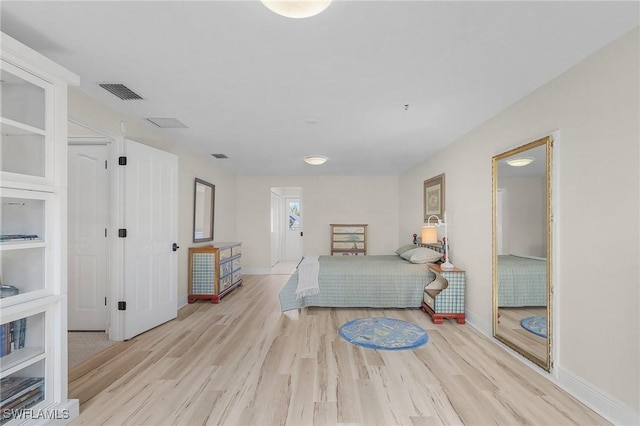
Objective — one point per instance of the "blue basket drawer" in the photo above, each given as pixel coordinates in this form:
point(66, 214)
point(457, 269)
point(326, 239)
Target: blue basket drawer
point(235, 251)
point(237, 276)
point(225, 269)
point(225, 253)
point(225, 283)
point(430, 298)
point(236, 264)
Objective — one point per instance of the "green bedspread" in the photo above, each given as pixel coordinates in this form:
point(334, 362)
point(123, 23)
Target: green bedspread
point(521, 281)
point(362, 281)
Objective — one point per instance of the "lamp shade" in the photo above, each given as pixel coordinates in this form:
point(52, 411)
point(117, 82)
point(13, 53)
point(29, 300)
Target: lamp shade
point(297, 8)
point(429, 234)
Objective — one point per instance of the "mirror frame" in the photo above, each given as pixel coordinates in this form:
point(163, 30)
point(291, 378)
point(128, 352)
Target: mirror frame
point(547, 363)
point(212, 189)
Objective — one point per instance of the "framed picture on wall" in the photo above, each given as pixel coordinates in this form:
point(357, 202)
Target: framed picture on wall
point(434, 197)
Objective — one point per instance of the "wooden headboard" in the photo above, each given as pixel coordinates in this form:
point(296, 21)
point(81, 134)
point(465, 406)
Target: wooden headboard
point(435, 246)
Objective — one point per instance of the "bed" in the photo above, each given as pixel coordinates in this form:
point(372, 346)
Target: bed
point(522, 281)
point(383, 281)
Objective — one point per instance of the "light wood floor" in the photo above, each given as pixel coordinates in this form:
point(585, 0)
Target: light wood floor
point(510, 329)
point(243, 362)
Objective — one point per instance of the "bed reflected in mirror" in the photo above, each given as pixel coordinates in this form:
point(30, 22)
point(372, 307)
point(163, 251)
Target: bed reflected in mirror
point(522, 250)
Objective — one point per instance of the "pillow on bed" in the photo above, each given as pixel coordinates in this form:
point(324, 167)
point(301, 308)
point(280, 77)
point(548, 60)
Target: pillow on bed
point(405, 248)
point(421, 255)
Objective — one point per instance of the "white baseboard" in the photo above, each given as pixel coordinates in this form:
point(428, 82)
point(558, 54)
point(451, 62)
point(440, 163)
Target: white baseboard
point(255, 271)
point(182, 301)
point(610, 408)
point(58, 414)
point(602, 403)
point(477, 322)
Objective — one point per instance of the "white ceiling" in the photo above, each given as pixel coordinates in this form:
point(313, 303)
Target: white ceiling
point(267, 90)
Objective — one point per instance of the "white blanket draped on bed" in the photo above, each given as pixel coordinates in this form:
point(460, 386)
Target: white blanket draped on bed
point(308, 271)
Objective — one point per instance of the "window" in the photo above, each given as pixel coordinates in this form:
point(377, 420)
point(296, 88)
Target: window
point(293, 209)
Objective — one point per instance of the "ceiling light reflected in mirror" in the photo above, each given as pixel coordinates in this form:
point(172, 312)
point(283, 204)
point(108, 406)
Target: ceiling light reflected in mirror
point(520, 162)
point(315, 160)
point(296, 8)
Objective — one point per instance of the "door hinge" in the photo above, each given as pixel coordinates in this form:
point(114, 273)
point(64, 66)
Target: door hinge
point(122, 161)
point(122, 306)
point(122, 233)
point(105, 164)
point(105, 232)
point(105, 301)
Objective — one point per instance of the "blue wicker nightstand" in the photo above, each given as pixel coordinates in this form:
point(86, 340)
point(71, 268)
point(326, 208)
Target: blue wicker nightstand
point(447, 302)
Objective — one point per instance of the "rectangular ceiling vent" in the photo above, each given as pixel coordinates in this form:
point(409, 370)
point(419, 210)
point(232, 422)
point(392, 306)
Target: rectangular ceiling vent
point(167, 122)
point(121, 91)
point(220, 156)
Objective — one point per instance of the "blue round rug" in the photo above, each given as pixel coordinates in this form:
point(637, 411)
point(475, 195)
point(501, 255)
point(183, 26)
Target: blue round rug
point(383, 333)
point(536, 325)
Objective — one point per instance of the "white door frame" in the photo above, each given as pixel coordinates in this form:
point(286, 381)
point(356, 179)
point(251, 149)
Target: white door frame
point(116, 332)
point(115, 283)
point(276, 228)
point(284, 194)
point(104, 139)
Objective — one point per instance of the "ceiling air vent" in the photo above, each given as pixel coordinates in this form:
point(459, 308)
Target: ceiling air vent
point(167, 123)
point(220, 156)
point(121, 91)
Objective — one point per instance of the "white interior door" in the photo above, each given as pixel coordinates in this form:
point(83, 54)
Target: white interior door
point(275, 228)
point(88, 245)
point(151, 221)
point(293, 223)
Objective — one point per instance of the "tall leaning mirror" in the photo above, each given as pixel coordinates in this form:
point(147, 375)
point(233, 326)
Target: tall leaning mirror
point(522, 247)
point(203, 210)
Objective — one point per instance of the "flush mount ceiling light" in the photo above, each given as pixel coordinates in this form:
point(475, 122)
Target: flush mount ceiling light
point(519, 162)
point(315, 160)
point(296, 8)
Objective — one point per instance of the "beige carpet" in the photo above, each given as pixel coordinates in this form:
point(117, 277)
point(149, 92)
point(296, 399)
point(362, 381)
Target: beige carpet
point(85, 344)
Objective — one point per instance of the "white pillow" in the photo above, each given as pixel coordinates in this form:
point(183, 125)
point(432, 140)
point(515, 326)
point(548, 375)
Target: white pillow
point(421, 255)
point(405, 248)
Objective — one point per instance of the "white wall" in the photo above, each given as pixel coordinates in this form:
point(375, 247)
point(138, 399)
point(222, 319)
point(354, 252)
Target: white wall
point(524, 216)
point(595, 108)
point(327, 199)
point(96, 115)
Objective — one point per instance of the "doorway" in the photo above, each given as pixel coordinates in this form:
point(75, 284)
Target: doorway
point(286, 224)
point(88, 209)
point(122, 234)
point(89, 212)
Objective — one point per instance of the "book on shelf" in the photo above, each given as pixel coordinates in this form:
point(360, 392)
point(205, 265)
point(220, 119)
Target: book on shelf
point(14, 388)
point(25, 400)
point(18, 237)
point(19, 328)
point(5, 336)
point(5, 339)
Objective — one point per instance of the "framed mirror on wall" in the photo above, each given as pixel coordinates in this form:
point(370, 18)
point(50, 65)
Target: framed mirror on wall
point(203, 210)
point(522, 250)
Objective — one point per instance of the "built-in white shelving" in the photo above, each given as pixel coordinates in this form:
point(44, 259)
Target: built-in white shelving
point(33, 182)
